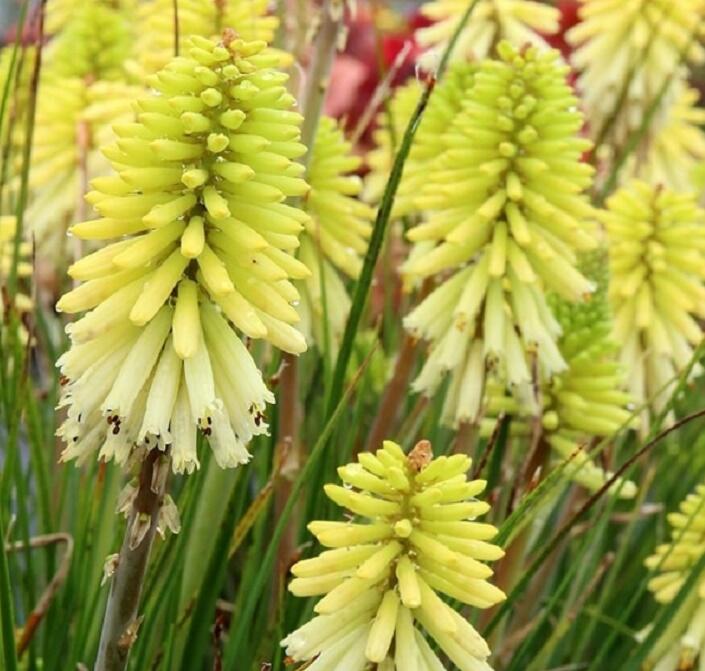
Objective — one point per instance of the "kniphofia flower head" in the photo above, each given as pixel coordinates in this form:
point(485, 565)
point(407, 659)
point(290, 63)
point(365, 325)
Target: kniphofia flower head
point(202, 245)
point(414, 536)
point(683, 643)
point(657, 255)
point(517, 21)
point(506, 215)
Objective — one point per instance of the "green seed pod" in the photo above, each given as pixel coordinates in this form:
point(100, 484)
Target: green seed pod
point(518, 21)
point(587, 400)
point(683, 642)
point(657, 254)
point(506, 213)
point(336, 236)
point(381, 576)
point(155, 26)
point(201, 238)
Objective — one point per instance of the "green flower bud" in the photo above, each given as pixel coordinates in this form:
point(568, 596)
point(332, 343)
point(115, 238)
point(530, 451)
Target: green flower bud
point(381, 577)
point(196, 247)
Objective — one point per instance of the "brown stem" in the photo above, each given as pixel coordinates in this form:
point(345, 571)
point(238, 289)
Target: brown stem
point(288, 450)
point(465, 439)
point(391, 401)
point(121, 621)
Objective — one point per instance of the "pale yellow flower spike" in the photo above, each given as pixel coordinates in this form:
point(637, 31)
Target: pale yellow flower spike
point(156, 359)
point(683, 642)
point(414, 535)
point(505, 211)
point(519, 22)
point(657, 260)
point(336, 237)
point(634, 44)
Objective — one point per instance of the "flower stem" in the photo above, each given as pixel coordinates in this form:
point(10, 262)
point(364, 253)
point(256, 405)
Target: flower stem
point(121, 623)
point(393, 398)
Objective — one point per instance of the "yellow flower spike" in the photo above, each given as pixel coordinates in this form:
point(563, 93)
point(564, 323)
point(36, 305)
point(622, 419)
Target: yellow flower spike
point(684, 640)
point(585, 401)
point(657, 253)
point(381, 581)
point(637, 44)
point(509, 226)
point(162, 295)
point(336, 236)
point(518, 21)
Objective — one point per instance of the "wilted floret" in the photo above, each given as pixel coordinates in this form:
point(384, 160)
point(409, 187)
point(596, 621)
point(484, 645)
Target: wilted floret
point(414, 536)
point(657, 255)
point(336, 236)
point(519, 22)
point(586, 401)
point(506, 213)
point(683, 643)
point(202, 239)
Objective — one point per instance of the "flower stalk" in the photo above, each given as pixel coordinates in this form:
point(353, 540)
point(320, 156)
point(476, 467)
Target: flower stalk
point(121, 620)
